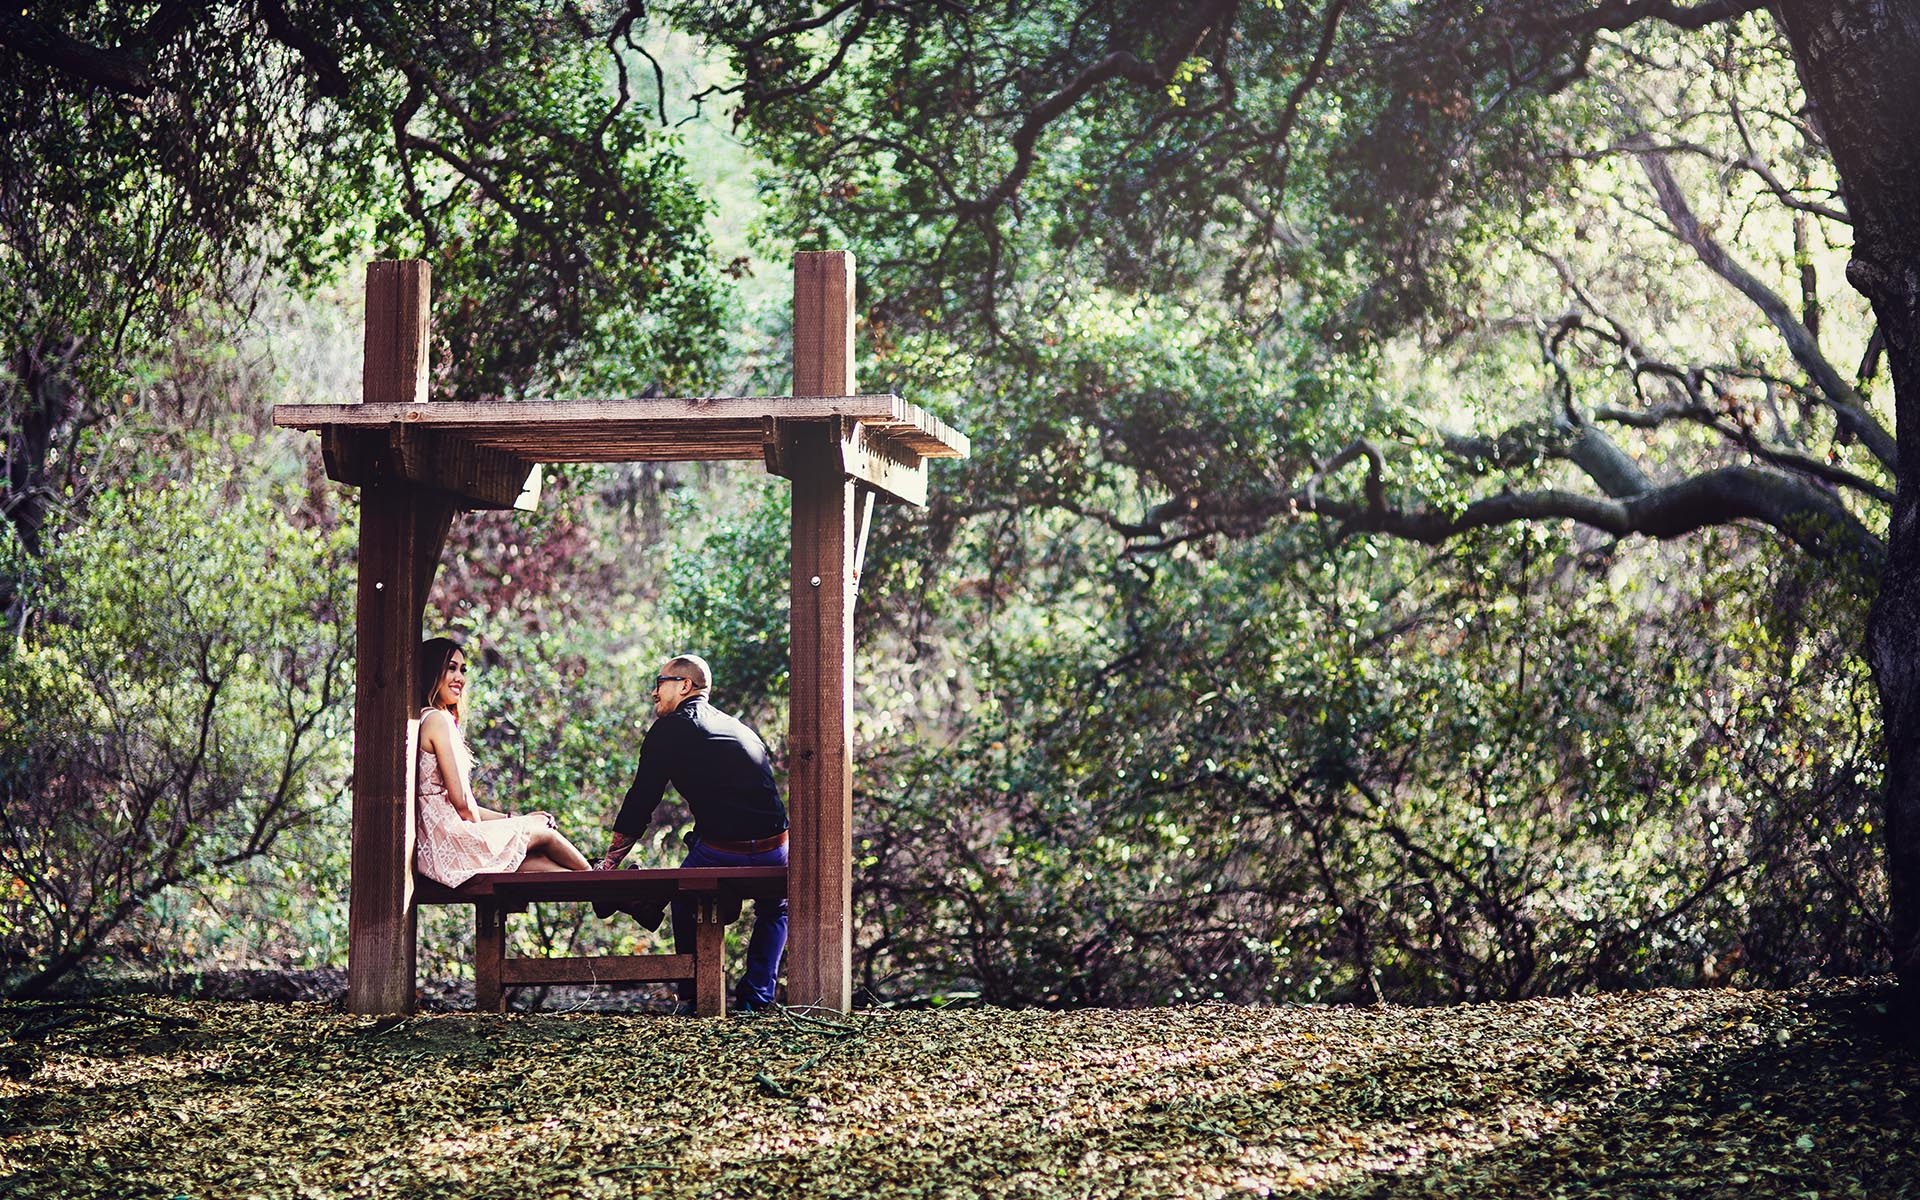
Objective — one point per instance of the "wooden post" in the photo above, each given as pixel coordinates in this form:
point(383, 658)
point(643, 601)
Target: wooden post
point(820, 722)
point(709, 949)
point(399, 299)
point(489, 957)
point(402, 530)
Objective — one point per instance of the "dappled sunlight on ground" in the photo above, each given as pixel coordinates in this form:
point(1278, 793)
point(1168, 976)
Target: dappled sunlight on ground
point(1665, 1093)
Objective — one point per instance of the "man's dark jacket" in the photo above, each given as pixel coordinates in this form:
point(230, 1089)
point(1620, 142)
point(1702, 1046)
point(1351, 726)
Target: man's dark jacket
point(719, 767)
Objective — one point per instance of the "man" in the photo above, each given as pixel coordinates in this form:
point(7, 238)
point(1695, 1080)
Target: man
point(721, 769)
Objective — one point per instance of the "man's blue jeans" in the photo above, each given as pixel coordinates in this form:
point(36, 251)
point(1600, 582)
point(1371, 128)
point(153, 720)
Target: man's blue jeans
point(769, 938)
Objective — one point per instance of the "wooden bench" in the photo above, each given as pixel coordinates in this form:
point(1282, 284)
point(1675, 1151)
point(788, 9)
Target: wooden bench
point(715, 892)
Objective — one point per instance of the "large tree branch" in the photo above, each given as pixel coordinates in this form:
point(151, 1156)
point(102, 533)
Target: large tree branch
point(1612, 468)
point(328, 78)
point(1806, 514)
point(123, 69)
point(1586, 447)
point(1620, 14)
point(126, 69)
point(1744, 436)
point(1839, 395)
point(1121, 64)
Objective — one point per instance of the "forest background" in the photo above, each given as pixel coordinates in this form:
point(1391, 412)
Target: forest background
point(1430, 475)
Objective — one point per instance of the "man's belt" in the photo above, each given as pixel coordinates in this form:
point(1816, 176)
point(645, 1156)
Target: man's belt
point(756, 846)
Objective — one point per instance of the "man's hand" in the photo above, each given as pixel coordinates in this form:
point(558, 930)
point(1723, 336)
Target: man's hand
point(616, 853)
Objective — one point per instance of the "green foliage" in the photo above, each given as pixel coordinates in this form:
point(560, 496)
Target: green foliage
point(727, 596)
point(1283, 768)
point(1129, 730)
point(499, 142)
point(174, 701)
point(1166, 742)
point(568, 243)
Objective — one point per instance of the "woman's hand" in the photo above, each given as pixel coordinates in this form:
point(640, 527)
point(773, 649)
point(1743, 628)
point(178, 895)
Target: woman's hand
point(545, 816)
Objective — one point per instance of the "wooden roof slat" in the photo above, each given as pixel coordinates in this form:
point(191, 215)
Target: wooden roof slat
point(707, 427)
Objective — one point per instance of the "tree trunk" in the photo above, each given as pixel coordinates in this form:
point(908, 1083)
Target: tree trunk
point(1859, 61)
point(40, 402)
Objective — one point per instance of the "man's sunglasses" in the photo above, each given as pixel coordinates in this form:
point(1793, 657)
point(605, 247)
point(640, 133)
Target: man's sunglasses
point(660, 679)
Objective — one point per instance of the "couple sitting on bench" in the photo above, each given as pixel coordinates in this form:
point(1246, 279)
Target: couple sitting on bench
point(718, 765)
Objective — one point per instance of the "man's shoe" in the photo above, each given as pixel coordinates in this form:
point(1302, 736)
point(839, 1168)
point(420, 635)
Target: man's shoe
point(649, 915)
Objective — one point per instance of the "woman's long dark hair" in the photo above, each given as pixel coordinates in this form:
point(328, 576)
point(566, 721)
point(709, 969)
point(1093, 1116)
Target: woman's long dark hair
point(434, 655)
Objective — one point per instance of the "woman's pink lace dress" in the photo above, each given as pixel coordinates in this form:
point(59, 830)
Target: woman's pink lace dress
point(451, 849)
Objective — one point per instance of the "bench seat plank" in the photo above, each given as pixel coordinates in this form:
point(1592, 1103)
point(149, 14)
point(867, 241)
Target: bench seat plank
point(655, 884)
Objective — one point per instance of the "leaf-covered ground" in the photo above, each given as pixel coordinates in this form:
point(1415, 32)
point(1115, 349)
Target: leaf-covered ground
point(1699, 1093)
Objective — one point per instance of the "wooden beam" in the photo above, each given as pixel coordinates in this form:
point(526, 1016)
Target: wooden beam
point(820, 720)
point(398, 300)
point(481, 476)
point(489, 957)
point(612, 968)
point(475, 477)
point(823, 296)
point(709, 948)
point(863, 525)
point(886, 466)
point(639, 430)
point(529, 498)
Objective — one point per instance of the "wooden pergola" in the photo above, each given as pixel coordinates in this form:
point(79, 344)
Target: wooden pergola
point(417, 463)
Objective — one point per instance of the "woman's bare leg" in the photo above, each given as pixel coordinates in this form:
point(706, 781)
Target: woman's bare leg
point(537, 860)
point(553, 845)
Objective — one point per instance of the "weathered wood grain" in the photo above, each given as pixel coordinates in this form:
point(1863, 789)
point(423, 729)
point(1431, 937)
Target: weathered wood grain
point(402, 531)
point(640, 430)
point(399, 296)
point(820, 718)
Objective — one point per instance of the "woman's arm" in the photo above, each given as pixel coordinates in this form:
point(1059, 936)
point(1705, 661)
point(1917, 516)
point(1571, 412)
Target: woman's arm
point(436, 733)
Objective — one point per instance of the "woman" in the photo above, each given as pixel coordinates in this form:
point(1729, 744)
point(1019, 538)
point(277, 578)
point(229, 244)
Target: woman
point(458, 838)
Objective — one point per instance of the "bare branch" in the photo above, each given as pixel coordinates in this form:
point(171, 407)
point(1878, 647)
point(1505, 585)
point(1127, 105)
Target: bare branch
point(1754, 163)
point(1870, 358)
point(1838, 395)
point(1376, 467)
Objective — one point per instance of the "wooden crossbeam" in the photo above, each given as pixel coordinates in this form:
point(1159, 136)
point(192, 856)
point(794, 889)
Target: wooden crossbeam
point(884, 465)
point(628, 886)
point(477, 476)
point(867, 456)
point(611, 968)
point(691, 429)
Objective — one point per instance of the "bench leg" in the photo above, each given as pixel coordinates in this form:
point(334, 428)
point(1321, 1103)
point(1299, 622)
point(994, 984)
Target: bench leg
point(709, 945)
point(489, 957)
